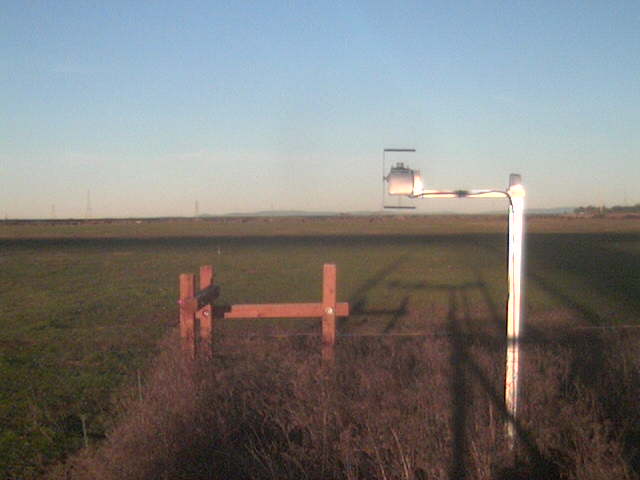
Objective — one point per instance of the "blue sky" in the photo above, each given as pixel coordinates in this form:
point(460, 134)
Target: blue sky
point(249, 106)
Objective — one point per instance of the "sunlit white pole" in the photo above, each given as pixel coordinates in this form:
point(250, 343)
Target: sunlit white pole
point(514, 306)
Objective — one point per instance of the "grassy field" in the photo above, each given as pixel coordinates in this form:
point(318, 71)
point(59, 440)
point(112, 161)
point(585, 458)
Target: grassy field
point(84, 306)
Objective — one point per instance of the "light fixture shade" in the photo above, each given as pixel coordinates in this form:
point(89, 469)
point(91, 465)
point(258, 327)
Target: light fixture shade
point(404, 181)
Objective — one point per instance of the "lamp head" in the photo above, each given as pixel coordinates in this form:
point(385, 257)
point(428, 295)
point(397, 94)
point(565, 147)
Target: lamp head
point(404, 181)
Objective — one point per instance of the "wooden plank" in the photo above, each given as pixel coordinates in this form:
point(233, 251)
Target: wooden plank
point(328, 311)
point(284, 310)
point(206, 312)
point(188, 308)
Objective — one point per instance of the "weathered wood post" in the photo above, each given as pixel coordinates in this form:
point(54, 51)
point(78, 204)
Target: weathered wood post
point(188, 306)
point(206, 313)
point(328, 312)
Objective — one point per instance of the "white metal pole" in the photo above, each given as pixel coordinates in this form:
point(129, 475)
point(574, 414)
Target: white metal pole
point(514, 307)
point(516, 195)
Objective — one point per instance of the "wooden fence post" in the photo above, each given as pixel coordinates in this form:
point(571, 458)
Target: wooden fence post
point(328, 312)
point(188, 307)
point(206, 313)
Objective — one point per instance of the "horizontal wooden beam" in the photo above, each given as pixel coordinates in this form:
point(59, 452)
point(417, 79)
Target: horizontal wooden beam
point(284, 310)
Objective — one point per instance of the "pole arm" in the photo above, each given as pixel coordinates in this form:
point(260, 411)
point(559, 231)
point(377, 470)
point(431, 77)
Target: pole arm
point(461, 194)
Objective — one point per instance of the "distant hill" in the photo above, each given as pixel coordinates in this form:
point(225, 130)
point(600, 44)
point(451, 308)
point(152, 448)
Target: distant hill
point(306, 213)
point(277, 213)
point(551, 211)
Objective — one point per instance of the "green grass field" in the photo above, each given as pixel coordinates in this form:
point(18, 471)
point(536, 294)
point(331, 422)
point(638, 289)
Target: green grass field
point(83, 306)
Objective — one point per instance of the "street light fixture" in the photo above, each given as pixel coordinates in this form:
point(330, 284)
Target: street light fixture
point(403, 181)
point(399, 186)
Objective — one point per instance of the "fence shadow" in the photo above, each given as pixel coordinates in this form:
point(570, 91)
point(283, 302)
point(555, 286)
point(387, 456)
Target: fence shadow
point(358, 299)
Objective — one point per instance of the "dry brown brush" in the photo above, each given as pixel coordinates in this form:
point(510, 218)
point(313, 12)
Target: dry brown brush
point(392, 408)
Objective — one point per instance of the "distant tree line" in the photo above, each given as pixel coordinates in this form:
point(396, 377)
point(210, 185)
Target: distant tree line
point(592, 210)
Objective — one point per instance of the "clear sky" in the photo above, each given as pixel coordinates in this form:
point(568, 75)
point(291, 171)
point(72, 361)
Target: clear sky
point(249, 106)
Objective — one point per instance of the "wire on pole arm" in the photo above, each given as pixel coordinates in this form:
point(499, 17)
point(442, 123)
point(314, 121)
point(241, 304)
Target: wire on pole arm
point(462, 194)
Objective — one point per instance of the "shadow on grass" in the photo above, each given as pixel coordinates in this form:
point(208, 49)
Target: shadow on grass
point(247, 240)
point(588, 360)
point(358, 300)
point(612, 273)
point(465, 370)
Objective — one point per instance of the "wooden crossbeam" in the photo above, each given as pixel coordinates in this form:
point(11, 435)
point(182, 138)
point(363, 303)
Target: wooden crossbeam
point(284, 310)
